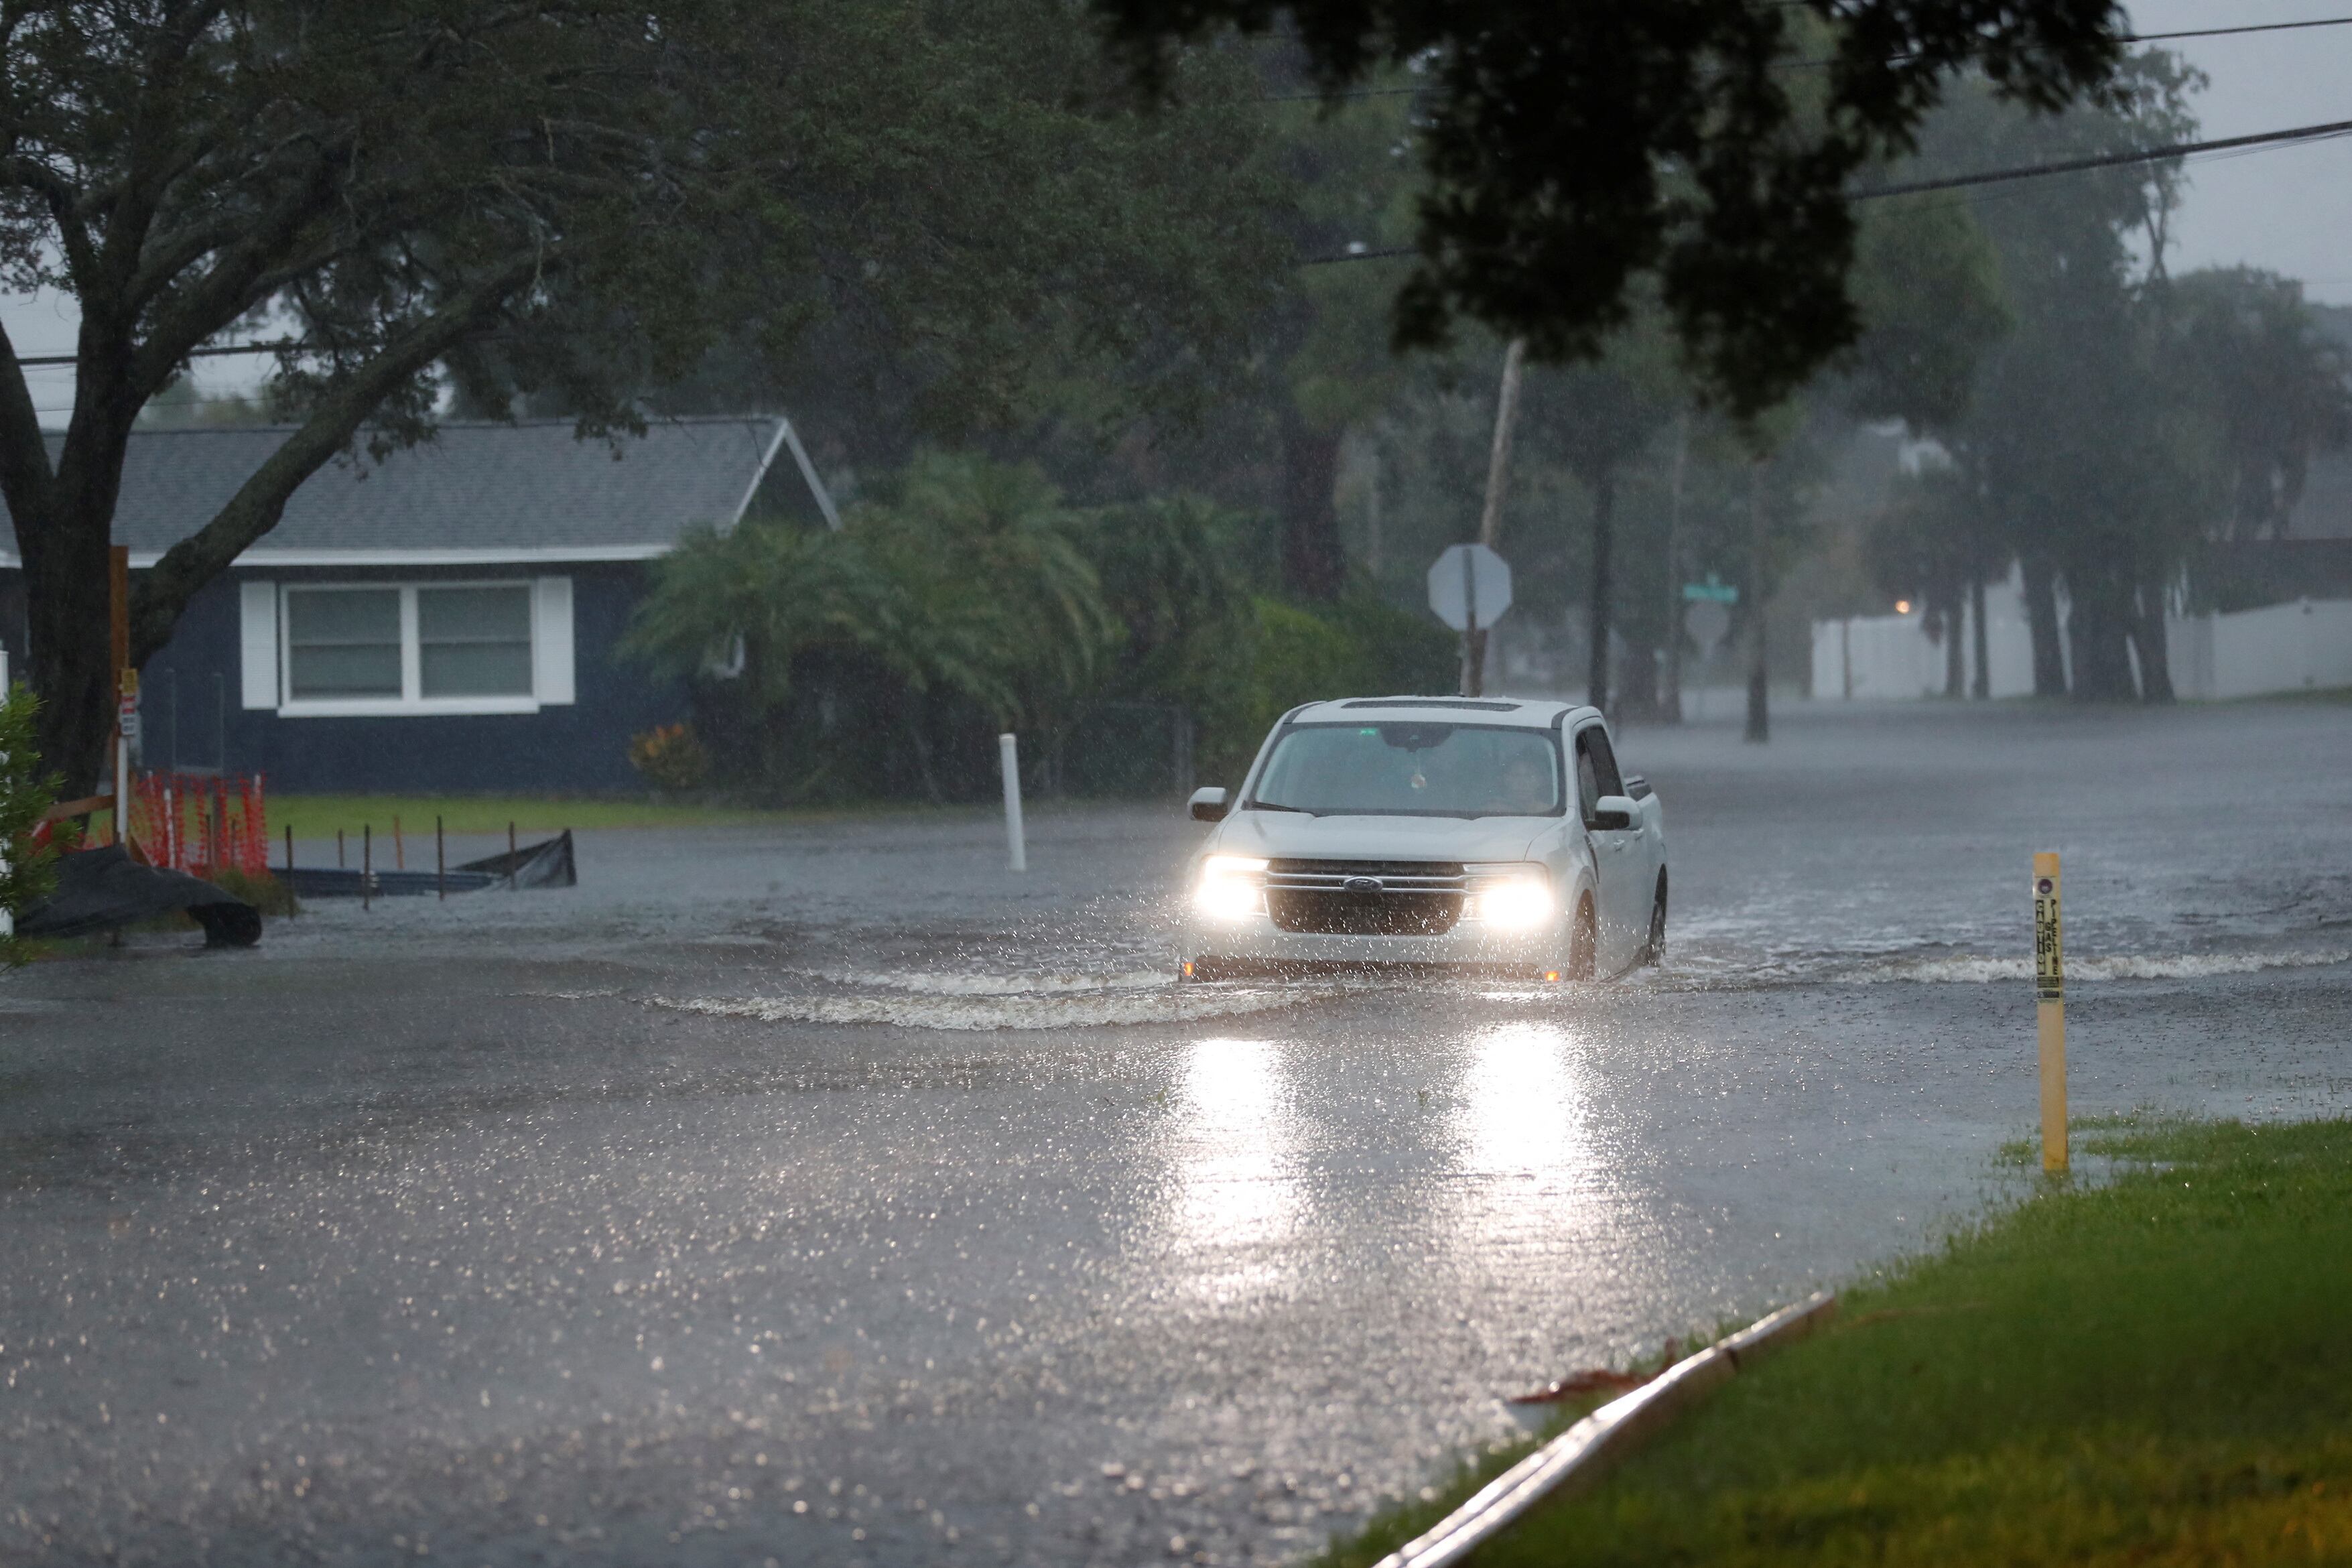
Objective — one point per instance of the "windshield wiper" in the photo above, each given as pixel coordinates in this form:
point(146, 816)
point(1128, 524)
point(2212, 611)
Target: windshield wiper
point(1277, 805)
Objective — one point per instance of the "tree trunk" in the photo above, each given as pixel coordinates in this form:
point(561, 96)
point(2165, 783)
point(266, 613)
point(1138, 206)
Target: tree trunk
point(2153, 639)
point(64, 532)
point(2096, 632)
point(1604, 532)
point(1638, 680)
point(1956, 666)
point(1760, 695)
point(67, 622)
point(1313, 564)
point(1982, 690)
point(2042, 625)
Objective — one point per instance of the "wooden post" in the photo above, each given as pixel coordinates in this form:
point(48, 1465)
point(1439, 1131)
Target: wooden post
point(338, 848)
point(2050, 1008)
point(511, 867)
point(367, 859)
point(126, 683)
point(440, 860)
point(399, 845)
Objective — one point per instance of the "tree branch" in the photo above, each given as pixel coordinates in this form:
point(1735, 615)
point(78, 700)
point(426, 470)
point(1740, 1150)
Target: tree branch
point(64, 202)
point(162, 594)
point(152, 165)
point(240, 278)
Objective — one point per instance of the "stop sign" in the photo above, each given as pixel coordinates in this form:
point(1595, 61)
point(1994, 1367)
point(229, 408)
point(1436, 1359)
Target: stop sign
point(1467, 581)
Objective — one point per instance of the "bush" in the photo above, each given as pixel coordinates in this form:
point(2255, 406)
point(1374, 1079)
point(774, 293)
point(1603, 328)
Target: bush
point(670, 757)
point(26, 793)
point(1360, 646)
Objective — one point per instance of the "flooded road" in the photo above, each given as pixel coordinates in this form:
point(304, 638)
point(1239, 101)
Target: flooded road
point(826, 1193)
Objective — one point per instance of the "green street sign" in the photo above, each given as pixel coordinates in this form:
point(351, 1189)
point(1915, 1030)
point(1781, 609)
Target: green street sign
point(1720, 592)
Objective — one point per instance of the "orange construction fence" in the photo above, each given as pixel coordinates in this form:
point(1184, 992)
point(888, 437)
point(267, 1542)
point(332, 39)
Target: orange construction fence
point(201, 824)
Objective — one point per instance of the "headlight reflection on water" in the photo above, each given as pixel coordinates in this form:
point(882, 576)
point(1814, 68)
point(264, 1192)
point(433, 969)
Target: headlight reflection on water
point(1525, 1139)
point(1235, 1200)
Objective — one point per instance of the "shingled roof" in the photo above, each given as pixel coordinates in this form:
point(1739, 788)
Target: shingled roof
point(477, 491)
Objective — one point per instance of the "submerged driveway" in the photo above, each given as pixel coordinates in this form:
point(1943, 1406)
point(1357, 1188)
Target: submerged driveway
point(826, 1193)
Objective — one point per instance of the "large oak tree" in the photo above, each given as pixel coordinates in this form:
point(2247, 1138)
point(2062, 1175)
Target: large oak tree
point(575, 200)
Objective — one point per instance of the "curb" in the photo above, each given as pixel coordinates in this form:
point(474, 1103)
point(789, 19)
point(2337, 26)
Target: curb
point(1577, 1456)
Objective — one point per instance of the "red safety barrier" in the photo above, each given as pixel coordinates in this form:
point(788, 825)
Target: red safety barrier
point(200, 823)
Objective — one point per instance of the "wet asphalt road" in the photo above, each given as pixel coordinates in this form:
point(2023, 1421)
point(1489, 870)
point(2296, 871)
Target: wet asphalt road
point(827, 1195)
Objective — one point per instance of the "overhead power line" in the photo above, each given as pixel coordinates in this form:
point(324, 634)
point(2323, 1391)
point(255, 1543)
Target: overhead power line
point(2110, 160)
point(2225, 32)
point(29, 361)
point(2262, 139)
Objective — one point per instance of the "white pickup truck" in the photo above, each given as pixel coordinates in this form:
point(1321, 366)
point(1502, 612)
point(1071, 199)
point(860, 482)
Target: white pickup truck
point(1485, 833)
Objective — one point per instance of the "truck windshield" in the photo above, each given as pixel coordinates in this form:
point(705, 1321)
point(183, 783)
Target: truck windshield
point(1412, 770)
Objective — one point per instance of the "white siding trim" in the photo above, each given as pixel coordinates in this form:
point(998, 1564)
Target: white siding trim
point(552, 661)
point(396, 708)
point(258, 643)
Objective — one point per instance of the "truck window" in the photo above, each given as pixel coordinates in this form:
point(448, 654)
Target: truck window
point(1596, 769)
point(1604, 761)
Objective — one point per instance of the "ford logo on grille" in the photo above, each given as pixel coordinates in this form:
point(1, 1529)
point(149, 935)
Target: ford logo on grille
point(1365, 887)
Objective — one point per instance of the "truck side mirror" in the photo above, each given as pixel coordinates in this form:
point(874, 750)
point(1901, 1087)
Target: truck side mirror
point(1613, 812)
point(1210, 804)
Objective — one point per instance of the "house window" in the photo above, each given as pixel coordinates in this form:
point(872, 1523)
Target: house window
point(349, 650)
point(474, 642)
point(342, 644)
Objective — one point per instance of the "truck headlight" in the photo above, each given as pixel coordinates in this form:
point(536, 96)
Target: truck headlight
point(1232, 887)
point(1517, 899)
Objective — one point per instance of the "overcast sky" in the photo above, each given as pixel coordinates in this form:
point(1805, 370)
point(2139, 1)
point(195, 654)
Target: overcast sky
point(2286, 209)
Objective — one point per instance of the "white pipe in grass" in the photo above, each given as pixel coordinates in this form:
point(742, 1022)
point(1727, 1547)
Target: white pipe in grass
point(1008, 757)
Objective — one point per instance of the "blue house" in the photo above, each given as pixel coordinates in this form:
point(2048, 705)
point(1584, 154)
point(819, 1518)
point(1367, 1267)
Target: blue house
point(443, 621)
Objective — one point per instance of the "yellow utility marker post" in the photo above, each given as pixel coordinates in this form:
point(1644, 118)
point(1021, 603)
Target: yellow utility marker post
point(2050, 1005)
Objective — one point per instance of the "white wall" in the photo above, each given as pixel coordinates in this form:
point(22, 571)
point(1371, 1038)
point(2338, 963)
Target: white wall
point(2250, 653)
point(1892, 656)
point(2285, 648)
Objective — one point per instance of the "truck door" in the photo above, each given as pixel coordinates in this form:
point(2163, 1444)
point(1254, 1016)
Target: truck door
point(1619, 861)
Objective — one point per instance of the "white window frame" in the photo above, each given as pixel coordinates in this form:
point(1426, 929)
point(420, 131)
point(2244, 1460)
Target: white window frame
point(550, 666)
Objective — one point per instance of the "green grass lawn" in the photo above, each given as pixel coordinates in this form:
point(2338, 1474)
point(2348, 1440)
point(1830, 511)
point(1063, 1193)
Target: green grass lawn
point(2157, 1369)
point(320, 815)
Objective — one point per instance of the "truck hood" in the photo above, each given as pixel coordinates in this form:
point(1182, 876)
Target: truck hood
point(1282, 834)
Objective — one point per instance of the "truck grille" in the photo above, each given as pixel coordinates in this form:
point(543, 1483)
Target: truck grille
point(1365, 897)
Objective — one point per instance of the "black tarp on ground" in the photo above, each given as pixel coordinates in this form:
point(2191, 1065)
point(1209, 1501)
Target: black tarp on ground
point(547, 863)
point(98, 889)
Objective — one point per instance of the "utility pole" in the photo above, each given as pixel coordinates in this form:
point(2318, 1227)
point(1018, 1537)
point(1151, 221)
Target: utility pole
point(1759, 715)
point(1670, 700)
point(1490, 518)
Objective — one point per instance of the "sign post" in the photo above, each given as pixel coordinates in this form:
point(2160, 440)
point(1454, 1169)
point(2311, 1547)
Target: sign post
point(1469, 589)
point(2050, 1008)
point(126, 684)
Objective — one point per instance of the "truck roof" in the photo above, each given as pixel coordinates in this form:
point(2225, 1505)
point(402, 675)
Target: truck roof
point(1519, 712)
